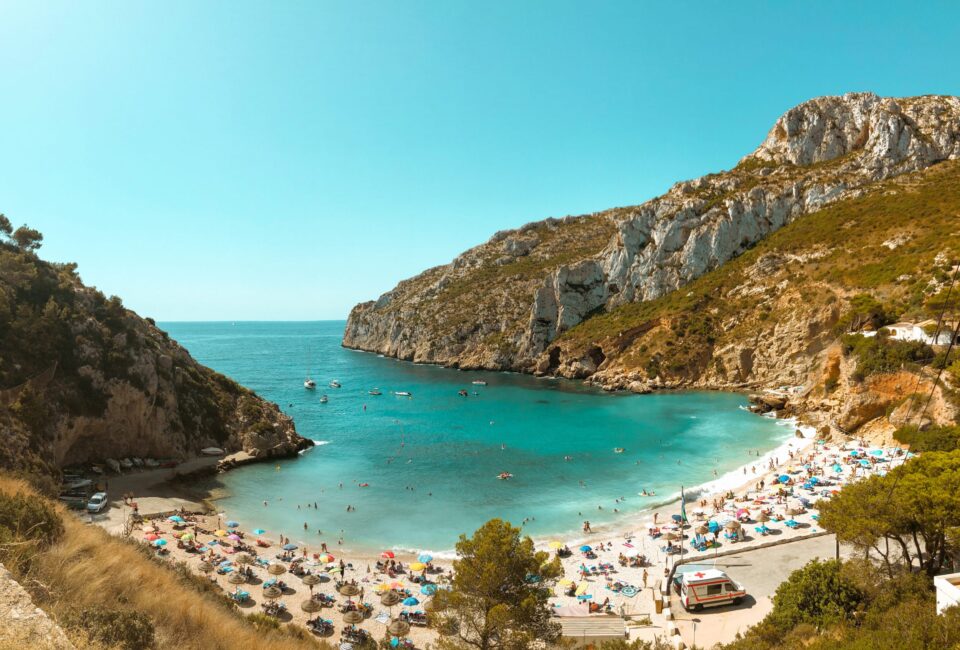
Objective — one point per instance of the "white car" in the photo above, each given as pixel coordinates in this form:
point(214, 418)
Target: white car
point(97, 502)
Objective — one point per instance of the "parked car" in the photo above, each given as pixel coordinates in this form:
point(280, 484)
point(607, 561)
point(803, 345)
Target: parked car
point(97, 502)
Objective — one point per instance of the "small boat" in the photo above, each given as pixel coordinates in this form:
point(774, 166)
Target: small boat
point(208, 451)
point(334, 384)
point(150, 462)
point(126, 463)
point(324, 399)
point(403, 393)
point(503, 476)
point(618, 450)
point(113, 464)
point(309, 384)
point(375, 391)
point(462, 393)
point(479, 382)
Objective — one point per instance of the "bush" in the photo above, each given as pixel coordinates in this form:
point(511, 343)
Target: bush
point(113, 628)
point(819, 593)
point(27, 518)
point(877, 354)
point(938, 438)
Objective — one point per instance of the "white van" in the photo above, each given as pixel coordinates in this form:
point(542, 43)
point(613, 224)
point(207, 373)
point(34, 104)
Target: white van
point(707, 588)
point(97, 502)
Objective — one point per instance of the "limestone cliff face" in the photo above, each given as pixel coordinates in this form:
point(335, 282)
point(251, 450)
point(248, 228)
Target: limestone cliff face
point(502, 304)
point(84, 379)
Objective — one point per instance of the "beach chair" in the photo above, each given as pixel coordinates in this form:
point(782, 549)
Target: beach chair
point(792, 524)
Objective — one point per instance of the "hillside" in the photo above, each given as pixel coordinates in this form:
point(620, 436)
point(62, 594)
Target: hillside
point(82, 378)
point(503, 304)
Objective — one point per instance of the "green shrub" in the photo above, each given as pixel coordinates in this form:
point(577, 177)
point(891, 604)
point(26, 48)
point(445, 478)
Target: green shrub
point(876, 354)
point(938, 438)
point(113, 628)
point(26, 518)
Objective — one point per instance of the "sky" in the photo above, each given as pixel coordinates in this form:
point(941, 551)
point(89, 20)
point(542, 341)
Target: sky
point(286, 160)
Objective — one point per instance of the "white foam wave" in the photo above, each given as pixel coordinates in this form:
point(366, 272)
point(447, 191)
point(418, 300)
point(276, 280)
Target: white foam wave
point(316, 443)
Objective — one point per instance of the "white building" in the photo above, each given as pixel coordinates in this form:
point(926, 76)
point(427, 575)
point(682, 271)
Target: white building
point(948, 590)
point(918, 332)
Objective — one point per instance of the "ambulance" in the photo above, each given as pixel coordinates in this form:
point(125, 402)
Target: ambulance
point(707, 588)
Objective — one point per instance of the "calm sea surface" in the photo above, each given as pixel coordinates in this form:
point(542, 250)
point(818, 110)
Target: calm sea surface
point(432, 460)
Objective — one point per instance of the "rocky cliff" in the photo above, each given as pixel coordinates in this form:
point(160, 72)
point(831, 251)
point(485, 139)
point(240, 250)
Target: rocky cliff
point(503, 304)
point(82, 378)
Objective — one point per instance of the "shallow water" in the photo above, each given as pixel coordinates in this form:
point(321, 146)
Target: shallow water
point(432, 460)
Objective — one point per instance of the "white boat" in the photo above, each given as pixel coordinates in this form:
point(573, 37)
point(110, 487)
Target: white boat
point(376, 391)
point(403, 393)
point(479, 382)
point(324, 399)
point(113, 464)
point(126, 463)
point(211, 451)
point(334, 384)
point(309, 384)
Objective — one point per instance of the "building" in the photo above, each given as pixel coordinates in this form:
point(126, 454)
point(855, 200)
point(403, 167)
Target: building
point(948, 590)
point(905, 331)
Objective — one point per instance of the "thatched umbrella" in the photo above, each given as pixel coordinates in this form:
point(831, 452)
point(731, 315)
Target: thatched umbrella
point(311, 579)
point(348, 590)
point(793, 511)
point(206, 567)
point(277, 569)
point(272, 593)
point(762, 517)
point(733, 525)
point(245, 558)
point(310, 606)
point(398, 628)
point(236, 578)
point(703, 529)
point(671, 537)
point(353, 617)
point(390, 599)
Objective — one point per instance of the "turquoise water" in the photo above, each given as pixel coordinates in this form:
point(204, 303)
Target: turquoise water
point(431, 460)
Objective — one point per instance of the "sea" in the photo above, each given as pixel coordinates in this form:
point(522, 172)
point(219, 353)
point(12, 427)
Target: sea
point(418, 471)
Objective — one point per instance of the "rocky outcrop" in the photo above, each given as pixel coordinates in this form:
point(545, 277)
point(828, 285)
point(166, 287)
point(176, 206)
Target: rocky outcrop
point(502, 304)
point(23, 624)
point(83, 379)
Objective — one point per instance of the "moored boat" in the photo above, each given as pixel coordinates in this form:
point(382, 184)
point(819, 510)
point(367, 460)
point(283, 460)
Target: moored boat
point(309, 384)
point(375, 391)
point(334, 384)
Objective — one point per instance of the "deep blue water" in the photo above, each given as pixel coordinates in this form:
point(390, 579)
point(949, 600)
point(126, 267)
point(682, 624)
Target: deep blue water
point(449, 449)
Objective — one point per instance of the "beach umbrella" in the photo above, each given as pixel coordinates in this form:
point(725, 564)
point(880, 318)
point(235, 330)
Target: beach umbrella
point(417, 566)
point(206, 567)
point(792, 511)
point(259, 531)
point(177, 519)
point(426, 558)
point(388, 555)
point(149, 529)
point(334, 569)
point(390, 599)
point(703, 529)
point(233, 524)
point(411, 601)
point(348, 590)
point(762, 517)
point(353, 617)
point(310, 579)
point(784, 478)
point(585, 548)
point(631, 552)
point(220, 533)
point(876, 452)
point(151, 537)
point(398, 628)
point(272, 593)
point(187, 537)
point(428, 589)
point(565, 582)
point(556, 545)
point(234, 537)
point(236, 578)
point(160, 542)
point(382, 588)
point(325, 558)
point(310, 606)
point(864, 463)
point(713, 527)
point(672, 537)
point(276, 569)
point(245, 558)
point(397, 586)
point(290, 546)
point(732, 525)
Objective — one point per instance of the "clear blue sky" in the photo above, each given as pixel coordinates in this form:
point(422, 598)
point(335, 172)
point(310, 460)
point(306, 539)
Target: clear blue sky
point(285, 160)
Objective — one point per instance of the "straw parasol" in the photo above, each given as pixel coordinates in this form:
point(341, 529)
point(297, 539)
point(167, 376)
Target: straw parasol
point(206, 567)
point(310, 606)
point(733, 525)
point(792, 511)
point(277, 569)
point(353, 617)
point(762, 517)
point(311, 579)
point(703, 529)
point(349, 590)
point(390, 599)
point(236, 578)
point(671, 537)
point(398, 628)
point(272, 593)
point(244, 558)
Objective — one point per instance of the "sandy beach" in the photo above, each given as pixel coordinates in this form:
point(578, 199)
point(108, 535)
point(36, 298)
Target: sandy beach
point(619, 574)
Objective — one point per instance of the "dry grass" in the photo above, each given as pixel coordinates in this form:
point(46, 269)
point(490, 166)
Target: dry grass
point(88, 568)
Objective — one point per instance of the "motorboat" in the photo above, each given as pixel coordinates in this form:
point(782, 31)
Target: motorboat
point(403, 393)
point(376, 391)
point(324, 399)
point(618, 450)
point(309, 384)
point(479, 382)
point(209, 451)
point(334, 384)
